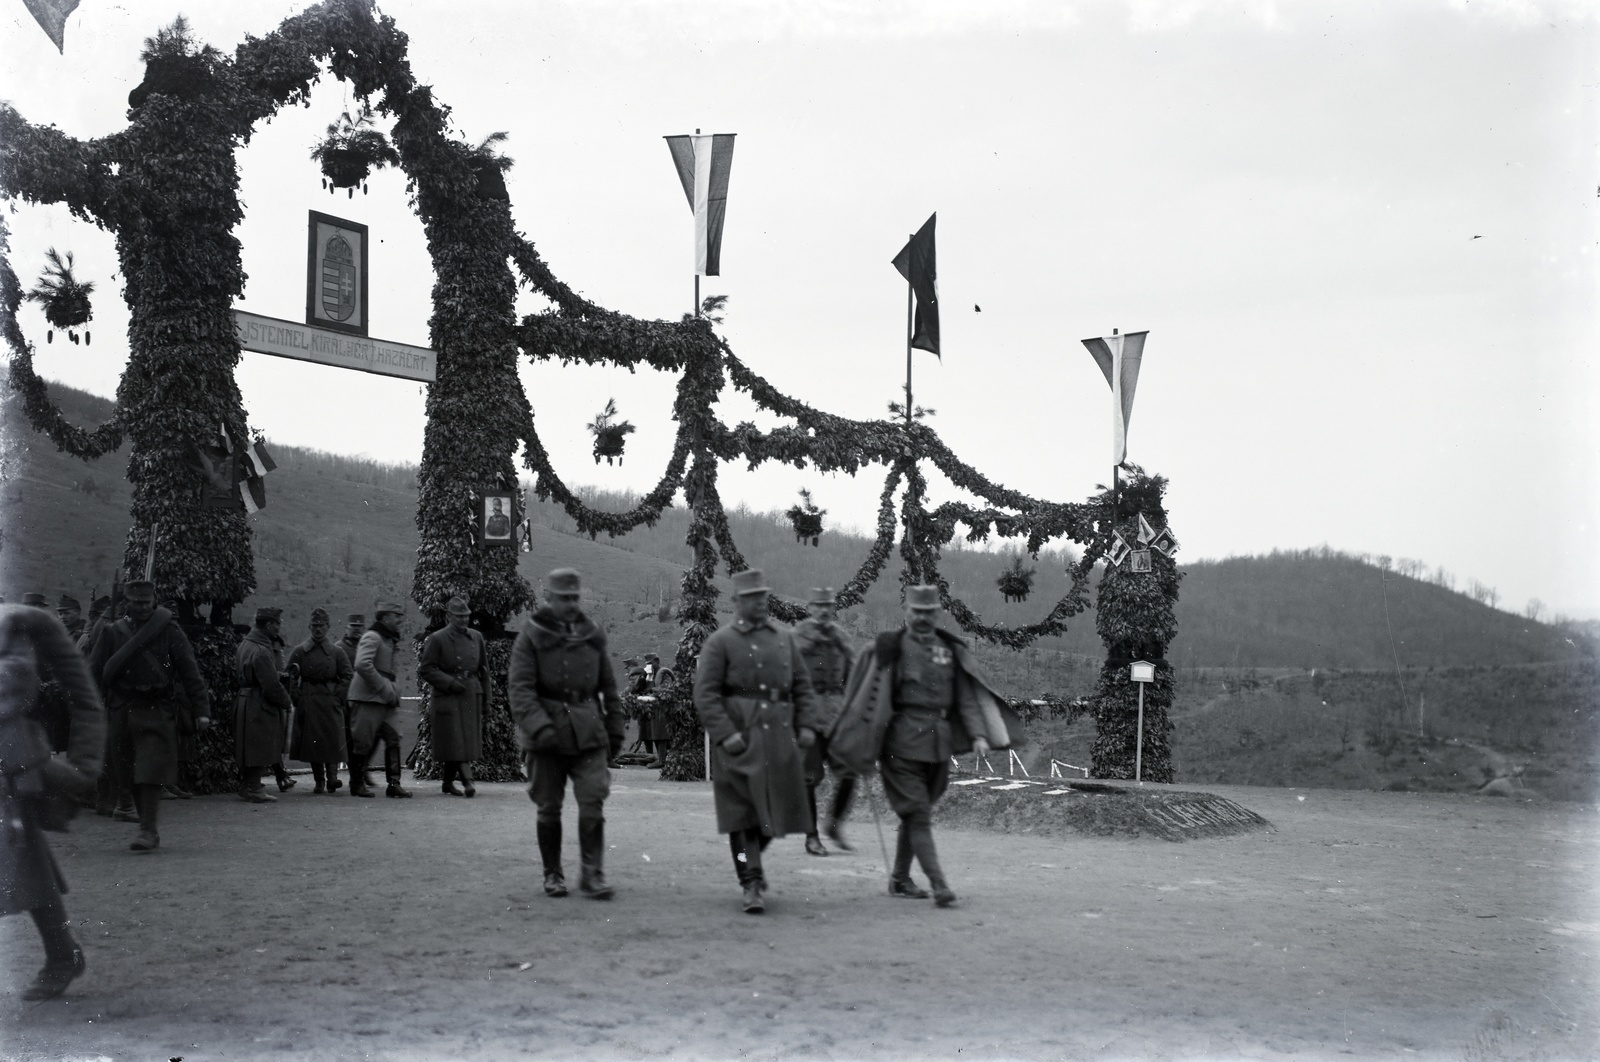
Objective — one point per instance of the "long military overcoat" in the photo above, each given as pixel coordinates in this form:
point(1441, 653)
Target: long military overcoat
point(34, 648)
point(456, 665)
point(563, 688)
point(319, 701)
point(159, 686)
point(751, 680)
point(261, 704)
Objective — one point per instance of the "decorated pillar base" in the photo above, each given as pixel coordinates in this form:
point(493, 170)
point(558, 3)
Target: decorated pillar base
point(207, 762)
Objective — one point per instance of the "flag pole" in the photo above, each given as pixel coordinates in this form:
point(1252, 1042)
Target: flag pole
point(697, 294)
point(1116, 411)
point(910, 326)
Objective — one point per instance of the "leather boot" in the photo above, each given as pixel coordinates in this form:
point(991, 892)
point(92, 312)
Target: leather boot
point(331, 769)
point(447, 775)
point(320, 785)
point(391, 772)
point(749, 877)
point(360, 784)
point(549, 834)
point(843, 790)
point(900, 881)
point(464, 772)
point(285, 783)
point(55, 977)
point(148, 798)
point(591, 855)
point(928, 855)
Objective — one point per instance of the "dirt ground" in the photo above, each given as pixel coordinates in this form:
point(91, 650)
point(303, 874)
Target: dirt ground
point(1367, 925)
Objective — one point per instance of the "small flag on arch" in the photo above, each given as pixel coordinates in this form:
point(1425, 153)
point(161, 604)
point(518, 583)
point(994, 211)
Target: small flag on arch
point(917, 263)
point(704, 163)
point(1118, 357)
point(254, 463)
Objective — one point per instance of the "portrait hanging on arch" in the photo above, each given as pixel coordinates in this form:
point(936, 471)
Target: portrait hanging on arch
point(496, 519)
point(336, 274)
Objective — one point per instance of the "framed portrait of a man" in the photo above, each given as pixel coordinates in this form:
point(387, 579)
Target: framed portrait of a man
point(496, 520)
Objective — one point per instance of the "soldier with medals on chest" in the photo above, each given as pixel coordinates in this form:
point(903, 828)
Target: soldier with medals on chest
point(752, 690)
point(147, 672)
point(915, 699)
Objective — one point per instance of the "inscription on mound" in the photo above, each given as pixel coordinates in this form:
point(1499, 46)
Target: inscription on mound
point(1101, 808)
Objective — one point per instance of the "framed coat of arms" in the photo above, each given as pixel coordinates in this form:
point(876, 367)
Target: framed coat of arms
point(336, 274)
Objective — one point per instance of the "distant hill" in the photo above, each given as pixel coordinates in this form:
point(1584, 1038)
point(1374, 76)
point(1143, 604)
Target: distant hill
point(340, 532)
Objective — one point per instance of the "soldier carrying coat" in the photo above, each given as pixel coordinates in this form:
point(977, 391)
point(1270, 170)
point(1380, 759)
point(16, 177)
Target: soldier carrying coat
point(456, 664)
point(752, 690)
point(563, 693)
point(915, 699)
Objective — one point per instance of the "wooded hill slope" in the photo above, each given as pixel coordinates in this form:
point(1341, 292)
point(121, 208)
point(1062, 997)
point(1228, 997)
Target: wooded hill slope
point(340, 532)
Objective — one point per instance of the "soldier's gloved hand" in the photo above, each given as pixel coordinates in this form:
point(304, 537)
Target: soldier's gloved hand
point(805, 737)
point(457, 686)
point(734, 744)
point(202, 723)
point(980, 745)
point(544, 736)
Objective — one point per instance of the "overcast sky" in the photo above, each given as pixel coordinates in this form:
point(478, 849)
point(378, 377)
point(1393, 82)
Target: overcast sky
point(1361, 236)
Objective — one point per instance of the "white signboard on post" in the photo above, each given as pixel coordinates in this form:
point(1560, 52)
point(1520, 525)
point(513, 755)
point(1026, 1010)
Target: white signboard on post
point(288, 339)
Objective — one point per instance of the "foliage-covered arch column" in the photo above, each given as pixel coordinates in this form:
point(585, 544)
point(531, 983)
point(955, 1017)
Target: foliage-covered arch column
point(1134, 618)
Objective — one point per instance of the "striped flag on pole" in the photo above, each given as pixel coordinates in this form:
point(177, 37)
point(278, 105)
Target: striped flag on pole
point(704, 163)
point(255, 463)
point(1118, 357)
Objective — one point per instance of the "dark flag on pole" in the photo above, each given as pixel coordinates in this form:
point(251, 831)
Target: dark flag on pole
point(52, 18)
point(704, 163)
point(916, 263)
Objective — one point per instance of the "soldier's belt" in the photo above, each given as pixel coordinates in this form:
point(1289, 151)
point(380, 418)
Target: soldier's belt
point(830, 691)
point(757, 695)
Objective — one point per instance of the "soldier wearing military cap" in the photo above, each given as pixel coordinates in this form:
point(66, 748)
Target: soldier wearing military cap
point(375, 702)
point(563, 693)
point(915, 699)
point(355, 627)
point(829, 654)
point(70, 612)
point(752, 690)
point(147, 672)
point(261, 707)
point(99, 610)
point(455, 663)
point(322, 678)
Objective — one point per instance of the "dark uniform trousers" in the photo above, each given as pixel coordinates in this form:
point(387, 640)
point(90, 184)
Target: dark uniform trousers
point(549, 772)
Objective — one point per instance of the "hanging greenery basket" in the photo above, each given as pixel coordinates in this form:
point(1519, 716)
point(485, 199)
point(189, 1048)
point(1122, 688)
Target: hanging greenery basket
point(806, 518)
point(1016, 582)
point(609, 438)
point(65, 298)
point(351, 150)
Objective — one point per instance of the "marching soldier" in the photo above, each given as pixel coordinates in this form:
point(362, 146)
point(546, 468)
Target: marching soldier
point(261, 706)
point(828, 654)
point(455, 663)
point(375, 702)
point(570, 725)
point(915, 699)
point(324, 678)
point(34, 648)
point(140, 663)
point(752, 691)
point(99, 611)
point(355, 626)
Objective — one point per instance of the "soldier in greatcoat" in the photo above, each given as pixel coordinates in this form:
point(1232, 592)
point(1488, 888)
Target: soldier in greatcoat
point(455, 662)
point(570, 725)
point(828, 654)
point(323, 678)
point(752, 690)
point(261, 707)
point(140, 663)
point(915, 699)
point(70, 611)
point(355, 627)
point(375, 702)
point(36, 789)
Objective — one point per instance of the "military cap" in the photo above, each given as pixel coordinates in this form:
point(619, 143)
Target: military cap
point(100, 604)
point(562, 581)
point(36, 600)
point(821, 595)
point(267, 614)
point(356, 617)
point(652, 656)
point(750, 581)
point(68, 602)
point(388, 606)
point(922, 596)
point(630, 661)
point(457, 606)
point(319, 614)
point(141, 588)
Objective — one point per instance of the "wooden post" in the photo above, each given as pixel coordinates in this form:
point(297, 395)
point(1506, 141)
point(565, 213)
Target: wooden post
point(1138, 747)
point(910, 326)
